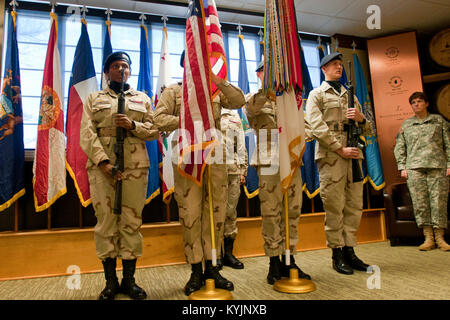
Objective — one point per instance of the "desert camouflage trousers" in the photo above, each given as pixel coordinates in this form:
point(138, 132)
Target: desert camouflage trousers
point(194, 215)
point(273, 212)
point(429, 194)
point(234, 192)
point(118, 235)
point(342, 201)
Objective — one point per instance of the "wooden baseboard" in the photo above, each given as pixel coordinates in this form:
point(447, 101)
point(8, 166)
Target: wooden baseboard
point(51, 253)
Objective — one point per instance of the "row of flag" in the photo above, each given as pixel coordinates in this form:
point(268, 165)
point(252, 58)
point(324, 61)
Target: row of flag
point(52, 158)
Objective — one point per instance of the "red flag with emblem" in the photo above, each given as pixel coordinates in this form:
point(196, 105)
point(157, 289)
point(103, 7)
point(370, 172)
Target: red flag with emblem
point(49, 172)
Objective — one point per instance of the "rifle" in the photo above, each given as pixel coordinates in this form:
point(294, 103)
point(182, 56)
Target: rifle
point(353, 131)
point(118, 150)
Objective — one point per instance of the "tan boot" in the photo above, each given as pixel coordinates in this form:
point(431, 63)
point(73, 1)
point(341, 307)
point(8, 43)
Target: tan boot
point(440, 241)
point(429, 239)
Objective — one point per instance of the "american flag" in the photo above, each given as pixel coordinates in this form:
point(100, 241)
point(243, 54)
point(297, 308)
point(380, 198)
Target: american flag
point(215, 43)
point(196, 114)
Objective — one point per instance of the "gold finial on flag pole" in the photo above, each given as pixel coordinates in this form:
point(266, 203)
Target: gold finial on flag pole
point(354, 45)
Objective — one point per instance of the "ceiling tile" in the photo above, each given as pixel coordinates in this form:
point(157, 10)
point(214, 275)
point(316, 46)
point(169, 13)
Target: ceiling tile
point(323, 7)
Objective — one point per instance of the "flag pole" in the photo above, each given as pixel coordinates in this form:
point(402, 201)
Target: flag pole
point(16, 217)
point(49, 218)
point(211, 292)
point(211, 219)
point(293, 284)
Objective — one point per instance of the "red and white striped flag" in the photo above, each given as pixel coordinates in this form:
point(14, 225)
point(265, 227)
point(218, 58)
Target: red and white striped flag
point(216, 47)
point(49, 172)
point(164, 144)
point(196, 114)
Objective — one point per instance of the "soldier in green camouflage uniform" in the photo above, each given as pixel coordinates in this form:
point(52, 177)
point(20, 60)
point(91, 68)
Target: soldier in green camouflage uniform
point(192, 200)
point(422, 151)
point(117, 236)
point(236, 159)
point(327, 113)
point(261, 113)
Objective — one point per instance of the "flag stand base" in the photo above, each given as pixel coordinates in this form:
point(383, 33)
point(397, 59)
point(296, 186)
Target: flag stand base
point(211, 293)
point(294, 284)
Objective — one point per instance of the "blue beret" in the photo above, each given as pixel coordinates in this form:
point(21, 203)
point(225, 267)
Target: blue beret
point(260, 66)
point(119, 55)
point(330, 57)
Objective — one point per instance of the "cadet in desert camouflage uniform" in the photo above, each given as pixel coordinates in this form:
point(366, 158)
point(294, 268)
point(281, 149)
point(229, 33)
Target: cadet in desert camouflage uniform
point(326, 113)
point(117, 236)
point(422, 151)
point(192, 200)
point(261, 113)
point(235, 155)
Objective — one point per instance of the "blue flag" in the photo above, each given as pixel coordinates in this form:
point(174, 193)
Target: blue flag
point(309, 170)
point(372, 151)
point(321, 50)
point(251, 187)
point(107, 50)
point(343, 80)
point(12, 154)
point(145, 85)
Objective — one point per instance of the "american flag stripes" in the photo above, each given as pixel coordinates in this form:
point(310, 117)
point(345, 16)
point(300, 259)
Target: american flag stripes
point(196, 114)
point(215, 42)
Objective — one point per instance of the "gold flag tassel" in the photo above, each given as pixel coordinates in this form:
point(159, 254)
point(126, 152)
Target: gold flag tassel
point(210, 292)
point(293, 284)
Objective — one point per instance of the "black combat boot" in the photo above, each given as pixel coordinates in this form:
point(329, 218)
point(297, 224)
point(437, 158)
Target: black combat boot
point(285, 270)
point(228, 258)
point(351, 259)
point(219, 281)
point(274, 270)
point(196, 280)
point(339, 263)
point(128, 286)
point(112, 284)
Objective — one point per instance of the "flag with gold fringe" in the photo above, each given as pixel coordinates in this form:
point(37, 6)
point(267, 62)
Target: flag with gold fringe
point(12, 158)
point(49, 172)
point(196, 140)
point(373, 167)
point(251, 187)
point(145, 85)
point(310, 172)
point(164, 143)
point(283, 74)
point(82, 82)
